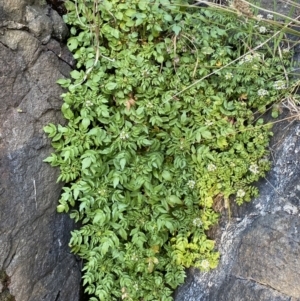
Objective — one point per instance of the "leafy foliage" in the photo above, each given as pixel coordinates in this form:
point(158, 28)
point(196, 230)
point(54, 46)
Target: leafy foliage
point(158, 129)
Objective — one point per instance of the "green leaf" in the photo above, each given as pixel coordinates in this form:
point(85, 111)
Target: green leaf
point(168, 18)
point(115, 33)
point(75, 74)
point(61, 208)
point(130, 12)
point(104, 248)
point(206, 135)
point(49, 159)
point(111, 86)
point(68, 114)
point(222, 142)
point(72, 43)
point(85, 123)
point(99, 218)
point(176, 28)
point(142, 5)
point(122, 163)
point(76, 193)
point(116, 181)
point(123, 233)
point(275, 113)
point(183, 117)
point(167, 175)
point(64, 82)
point(157, 27)
point(50, 129)
point(160, 58)
point(207, 50)
point(86, 163)
point(173, 200)
point(119, 15)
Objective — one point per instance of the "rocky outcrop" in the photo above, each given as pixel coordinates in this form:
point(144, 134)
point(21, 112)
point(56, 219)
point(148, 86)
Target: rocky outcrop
point(35, 262)
point(260, 244)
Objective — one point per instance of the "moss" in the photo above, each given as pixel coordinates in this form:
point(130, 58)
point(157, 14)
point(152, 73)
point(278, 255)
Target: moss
point(3, 277)
point(5, 294)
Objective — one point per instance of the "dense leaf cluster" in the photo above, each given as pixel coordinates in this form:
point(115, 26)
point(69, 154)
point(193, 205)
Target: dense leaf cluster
point(153, 139)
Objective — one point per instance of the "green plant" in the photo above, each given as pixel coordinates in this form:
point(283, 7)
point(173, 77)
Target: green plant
point(163, 118)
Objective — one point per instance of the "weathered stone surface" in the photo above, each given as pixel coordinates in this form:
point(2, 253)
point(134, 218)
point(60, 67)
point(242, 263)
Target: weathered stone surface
point(34, 251)
point(60, 29)
point(260, 245)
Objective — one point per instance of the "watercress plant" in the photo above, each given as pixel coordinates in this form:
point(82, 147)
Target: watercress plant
point(158, 129)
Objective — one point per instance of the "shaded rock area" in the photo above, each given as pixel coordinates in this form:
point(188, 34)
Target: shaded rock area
point(260, 243)
point(35, 263)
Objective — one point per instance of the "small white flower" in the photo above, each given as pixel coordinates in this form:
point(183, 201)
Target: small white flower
point(228, 75)
point(191, 184)
point(259, 17)
point(278, 85)
point(197, 222)
point(88, 103)
point(208, 123)
point(285, 50)
point(262, 29)
point(149, 105)
point(134, 257)
point(264, 159)
point(262, 92)
point(249, 58)
point(124, 135)
point(102, 192)
point(256, 55)
point(254, 169)
point(270, 16)
point(211, 167)
point(240, 193)
point(205, 264)
point(136, 286)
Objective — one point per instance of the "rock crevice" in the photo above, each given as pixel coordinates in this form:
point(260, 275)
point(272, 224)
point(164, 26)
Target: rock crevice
point(34, 250)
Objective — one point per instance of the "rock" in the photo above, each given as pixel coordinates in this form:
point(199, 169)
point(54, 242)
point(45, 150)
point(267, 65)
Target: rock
point(14, 10)
point(260, 245)
point(60, 29)
point(44, 23)
point(39, 24)
point(34, 252)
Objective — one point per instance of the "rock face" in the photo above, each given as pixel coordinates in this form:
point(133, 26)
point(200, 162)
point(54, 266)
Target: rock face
point(35, 263)
point(260, 244)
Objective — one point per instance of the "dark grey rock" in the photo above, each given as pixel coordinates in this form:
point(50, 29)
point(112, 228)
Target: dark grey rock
point(14, 10)
point(60, 29)
point(34, 251)
point(45, 23)
point(39, 24)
